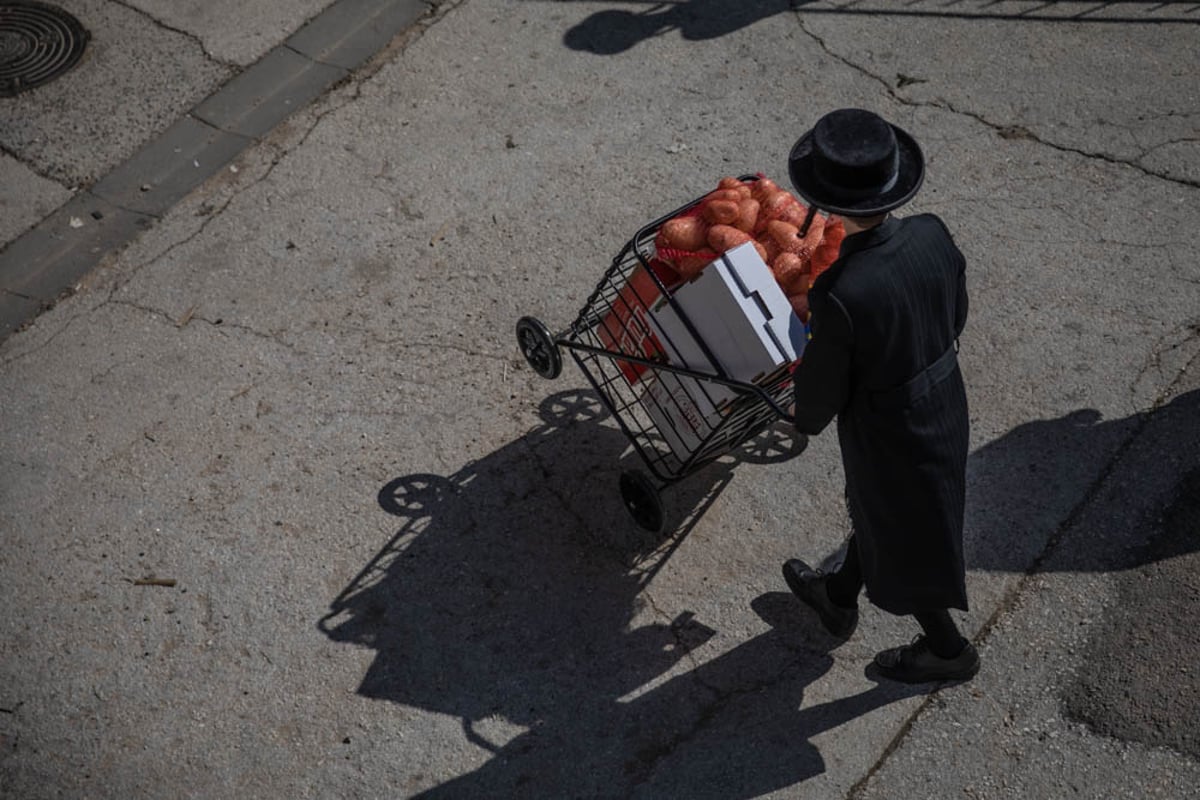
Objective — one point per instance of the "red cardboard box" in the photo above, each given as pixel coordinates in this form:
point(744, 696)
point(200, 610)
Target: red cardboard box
point(624, 329)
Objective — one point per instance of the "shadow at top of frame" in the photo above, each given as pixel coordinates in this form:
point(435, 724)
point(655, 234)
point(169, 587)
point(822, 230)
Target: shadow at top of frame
point(616, 30)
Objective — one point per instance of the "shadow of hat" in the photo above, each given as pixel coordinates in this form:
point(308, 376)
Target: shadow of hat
point(856, 164)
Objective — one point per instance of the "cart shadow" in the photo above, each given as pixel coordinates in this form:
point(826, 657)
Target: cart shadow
point(512, 598)
point(1029, 483)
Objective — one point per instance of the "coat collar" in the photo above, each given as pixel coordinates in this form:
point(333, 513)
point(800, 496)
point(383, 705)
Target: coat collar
point(870, 238)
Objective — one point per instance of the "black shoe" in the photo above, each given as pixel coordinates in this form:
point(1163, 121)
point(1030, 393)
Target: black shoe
point(809, 585)
point(916, 663)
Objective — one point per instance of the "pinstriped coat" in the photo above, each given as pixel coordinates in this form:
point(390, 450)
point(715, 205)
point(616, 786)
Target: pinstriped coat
point(885, 320)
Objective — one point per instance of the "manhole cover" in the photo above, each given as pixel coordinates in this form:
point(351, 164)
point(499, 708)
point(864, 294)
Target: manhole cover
point(38, 42)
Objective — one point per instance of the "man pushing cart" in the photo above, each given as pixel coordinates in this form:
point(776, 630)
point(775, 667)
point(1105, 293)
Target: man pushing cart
point(878, 354)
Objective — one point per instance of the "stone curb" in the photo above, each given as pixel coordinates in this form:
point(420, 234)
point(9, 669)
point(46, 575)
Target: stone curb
point(48, 260)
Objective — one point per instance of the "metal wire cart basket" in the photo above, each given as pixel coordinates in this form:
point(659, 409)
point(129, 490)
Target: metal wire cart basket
point(678, 418)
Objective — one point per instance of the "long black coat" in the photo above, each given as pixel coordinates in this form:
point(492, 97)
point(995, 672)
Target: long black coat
point(882, 359)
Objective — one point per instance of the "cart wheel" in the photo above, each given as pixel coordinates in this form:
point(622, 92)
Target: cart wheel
point(642, 500)
point(538, 347)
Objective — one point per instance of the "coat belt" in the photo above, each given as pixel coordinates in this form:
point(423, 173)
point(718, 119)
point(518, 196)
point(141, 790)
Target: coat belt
point(918, 386)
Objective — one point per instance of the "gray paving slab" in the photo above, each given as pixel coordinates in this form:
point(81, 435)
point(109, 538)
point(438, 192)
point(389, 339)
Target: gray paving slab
point(50, 259)
point(170, 167)
point(14, 310)
point(349, 32)
point(265, 94)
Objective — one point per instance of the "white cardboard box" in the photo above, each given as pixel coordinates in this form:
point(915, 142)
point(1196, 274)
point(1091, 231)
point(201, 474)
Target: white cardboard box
point(743, 317)
point(681, 349)
point(669, 399)
point(740, 314)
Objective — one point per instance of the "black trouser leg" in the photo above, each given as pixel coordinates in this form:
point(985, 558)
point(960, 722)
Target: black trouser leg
point(941, 633)
point(844, 585)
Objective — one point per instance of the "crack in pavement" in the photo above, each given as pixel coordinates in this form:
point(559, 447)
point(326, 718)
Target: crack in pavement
point(122, 280)
point(1161, 348)
point(1020, 132)
point(607, 549)
point(651, 756)
point(281, 154)
point(402, 343)
point(1100, 233)
point(1004, 131)
point(41, 171)
point(218, 325)
point(186, 34)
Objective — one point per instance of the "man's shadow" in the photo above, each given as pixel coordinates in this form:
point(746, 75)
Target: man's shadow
point(512, 597)
point(732, 727)
point(1027, 486)
point(616, 30)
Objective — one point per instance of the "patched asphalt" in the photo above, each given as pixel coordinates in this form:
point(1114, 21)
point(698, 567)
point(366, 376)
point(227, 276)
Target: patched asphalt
point(1139, 678)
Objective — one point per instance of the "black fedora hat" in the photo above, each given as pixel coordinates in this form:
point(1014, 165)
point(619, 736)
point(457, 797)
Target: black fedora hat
point(856, 164)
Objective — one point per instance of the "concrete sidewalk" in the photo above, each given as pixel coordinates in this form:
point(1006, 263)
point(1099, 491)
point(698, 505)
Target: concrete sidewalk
point(249, 69)
point(286, 514)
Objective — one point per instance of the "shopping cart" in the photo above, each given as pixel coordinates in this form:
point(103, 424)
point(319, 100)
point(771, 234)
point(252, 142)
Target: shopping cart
point(623, 356)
